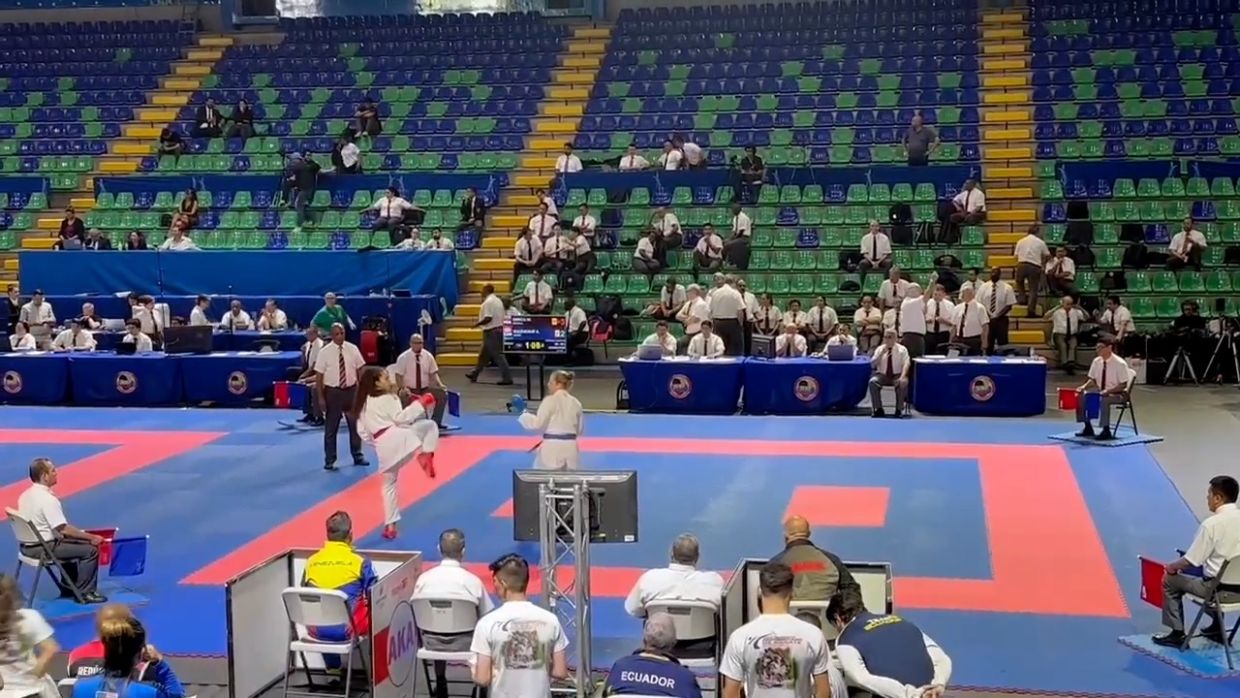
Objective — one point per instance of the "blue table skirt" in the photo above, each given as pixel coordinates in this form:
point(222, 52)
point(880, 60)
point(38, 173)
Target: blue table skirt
point(804, 386)
point(139, 380)
point(39, 379)
point(985, 387)
point(234, 378)
point(687, 387)
point(222, 341)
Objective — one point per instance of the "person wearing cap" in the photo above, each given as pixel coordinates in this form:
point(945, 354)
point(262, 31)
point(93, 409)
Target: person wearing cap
point(76, 338)
point(818, 574)
point(653, 670)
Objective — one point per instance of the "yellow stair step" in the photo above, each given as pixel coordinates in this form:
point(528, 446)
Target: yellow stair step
point(1003, 238)
point(554, 126)
point(456, 359)
point(1001, 193)
point(592, 33)
point(588, 47)
point(38, 243)
point(501, 286)
point(1002, 18)
point(133, 148)
point(1018, 215)
point(136, 131)
point(1014, 172)
point(215, 41)
point(1014, 153)
point(463, 334)
point(82, 203)
point(1002, 33)
point(204, 55)
point(1006, 134)
point(492, 264)
point(1035, 337)
point(169, 100)
point(573, 77)
point(993, 81)
point(546, 144)
point(496, 241)
point(529, 180)
point(1001, 260)
point(47, 224)
point(1006, 63)
point(161, 116)
point(523, 201)
point(467, 310)
point(537, 162)
point(1004, 49)
point(570, 110)
point(10, 265)
point(509, 220)
point(1006, 116)
point(115, 167)
point(181, 83)
point(1017, 97)
point(586, 62)
point(569, 93)
point(191, 69)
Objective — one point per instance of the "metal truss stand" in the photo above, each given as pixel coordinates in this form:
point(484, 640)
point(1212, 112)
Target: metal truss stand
point(564, 536)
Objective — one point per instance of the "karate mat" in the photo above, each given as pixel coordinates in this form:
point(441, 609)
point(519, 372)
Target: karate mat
point(1016, 554)
point(1204, 658)
point(1124, 436)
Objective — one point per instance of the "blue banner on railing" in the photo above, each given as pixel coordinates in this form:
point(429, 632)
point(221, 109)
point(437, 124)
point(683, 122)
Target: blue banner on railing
point(488, 185)
point(1090, 172)
point(260, 273)
point(23, 185)
point(941, 176)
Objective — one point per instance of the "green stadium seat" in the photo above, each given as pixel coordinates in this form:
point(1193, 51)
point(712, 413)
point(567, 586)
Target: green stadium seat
point(1166, 307)
point(1138, 282)
point(1142, 307)
point(1124, 189)
point(1192, 282)
point(1164, 282)
point(1222, 187)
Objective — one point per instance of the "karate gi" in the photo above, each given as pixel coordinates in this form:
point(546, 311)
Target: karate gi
point(559, 418)
point(396, 435)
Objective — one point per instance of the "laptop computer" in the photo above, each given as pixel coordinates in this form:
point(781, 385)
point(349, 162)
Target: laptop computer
point(841, 352)
point(650, 352)
point(126, 348)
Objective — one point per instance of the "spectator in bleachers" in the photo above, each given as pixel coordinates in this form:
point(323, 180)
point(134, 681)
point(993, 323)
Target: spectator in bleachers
point(633, 160)
point(584, 259)
point(768, 320)
point(332, 313)
point(939, 314)
point(886, 655)
point(672, 158)
point(578, 326)
point(791, 344)
point(527, 254)
point(519, 647)
point(198, 314)
point(390, 209)
point(747, 176)
point(671, 298)
point(272, 318)
point(188, 209)
point(301, 180)
point(96, 241)
point(236, 319)
point(891, 365)
point(39, 318)
point(177, 240)
point(1061, 273)
point(473, 209)
point(337, 565)
point(920, 142)
point(893, 290)
point(242, 121)
point(449, 580)
point(14, 298)
point(538, 296)
point(1031, 256)
point(727, 315)
point(170, 142)
point(645, 257)
point(72, 231)
point(969, 205)
point(585, 223)
point(567, 163)
point(545, 198)
point(868, 321)
point(542, 224)
point(1066, 323)
point(21, 339)
point(998, 298)
point(367, 119)
point(346, 157)
point(671, 237)
point(795, 315)
point(76, 338)
point(135, 335)
point(708, 253)
point(818, 574)
point(912, 320)
point(875, 250)
point(820, 323)
point(438, 242)
point(972, 282)
point(706, 344)
point(557, 251)
point(970, 324)
point(736, 249)
point(694, 156)
point(90, 320)
point(653, 670)
point(304, 374)
point(209, 121)
point(1116, 321)
point(751, 312)
point(662, 338)
point(1108, 375)
point(136, 240)
point(1186, 247)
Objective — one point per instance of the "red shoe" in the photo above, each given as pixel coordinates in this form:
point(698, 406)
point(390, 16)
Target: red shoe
point(427, 461)
point(389, 531)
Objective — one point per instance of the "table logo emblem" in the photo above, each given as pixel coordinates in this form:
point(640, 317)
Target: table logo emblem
point(806, 388)
point(12, 382)
point(402, 644)
point(126, 383)
point(680, 387)
point(238, 383)
point(982, 388)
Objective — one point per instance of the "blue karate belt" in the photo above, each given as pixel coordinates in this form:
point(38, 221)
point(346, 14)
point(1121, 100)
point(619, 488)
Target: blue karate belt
point(559, 437)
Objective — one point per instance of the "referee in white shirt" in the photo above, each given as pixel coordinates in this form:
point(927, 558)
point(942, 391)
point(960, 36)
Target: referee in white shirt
point(336, 372)
point(1031, 256)
point(449, 581)
point(75, 549)
point(727, 312)
point(417, 373)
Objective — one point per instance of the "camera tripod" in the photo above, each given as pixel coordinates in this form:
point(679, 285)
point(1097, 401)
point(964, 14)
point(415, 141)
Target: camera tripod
point(1181, 367)
point(1226, 339)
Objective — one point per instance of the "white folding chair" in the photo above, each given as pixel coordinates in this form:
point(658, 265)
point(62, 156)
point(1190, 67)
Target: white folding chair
point(27, 535)
point(1217, 603)
point(308, 607)
point(695, 621)
point(440, 616)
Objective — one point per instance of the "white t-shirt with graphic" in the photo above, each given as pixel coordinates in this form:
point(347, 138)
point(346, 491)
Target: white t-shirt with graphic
point(520, 638)
point(776, 656)
point(17, 658)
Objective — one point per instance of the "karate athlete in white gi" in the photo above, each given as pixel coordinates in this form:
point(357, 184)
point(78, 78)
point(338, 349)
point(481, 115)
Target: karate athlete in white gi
point(559, 418)
point(396, 433)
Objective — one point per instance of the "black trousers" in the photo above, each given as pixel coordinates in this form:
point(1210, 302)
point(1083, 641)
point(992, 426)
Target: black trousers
point(998, 333)
point(338, 402)
point(492, 351)
point(729, 330)
point(80, 560)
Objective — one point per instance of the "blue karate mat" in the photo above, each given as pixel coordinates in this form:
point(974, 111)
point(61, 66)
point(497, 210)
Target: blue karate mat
point(1203, 658)
point(1123, 437)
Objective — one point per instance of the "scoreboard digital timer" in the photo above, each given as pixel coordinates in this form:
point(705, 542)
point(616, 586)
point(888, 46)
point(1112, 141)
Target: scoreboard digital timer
point(536, 334)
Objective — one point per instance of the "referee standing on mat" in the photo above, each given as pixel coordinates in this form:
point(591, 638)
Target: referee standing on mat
point(336, 370)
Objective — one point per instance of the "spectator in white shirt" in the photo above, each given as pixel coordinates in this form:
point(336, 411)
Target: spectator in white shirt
point(820, 323)
point(198, 314)
point(519, 647)
point(1116, 320)
point(1108, 375)
point(679, 581)
point(662, 339)
point(998, 298)
point(178, 241)
point(790, 344)
point(39, 318)
point(135, 335)
point(21, 339)
point(727, 315)
point(541, 223)
point(417, 374)
point(915, 665)
point(939, 313)
point(646, 257)
point(970, 323)
point(708, 253)
point(671, 237)
point(736, 248)
point(671, 299)
point(891, 364)
point(751, 313)
point(578, 326)
point(1061, 273)
point(438, 242)
point(1066, 323)
point(875, 250)
point(672, 158)
point(768, 320)
point(538, 295)
point(272, 319)
point(568, 163)
point(527, 254)
point(585, 223)
point(972, 282)
point(695, 157)
point(633, 160)
point(349, 156)
point(868, 322)
point(557, 252)
point(912, 320)
point(893, 289)
point(391, 208)
point(236, 319)
point(705, 344)
point(969, 205)
point(583, 257)
point(545, 198)
point(1031, 256)
point(76, 338)
point(1186, 247)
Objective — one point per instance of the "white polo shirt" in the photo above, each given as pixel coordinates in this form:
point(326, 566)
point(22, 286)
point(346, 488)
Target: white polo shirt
point(493, 308)
point(418, 370)
point(327, 364)
point(521, 639)
point(1031, 249)
point(40, 506)
point(675, 582)
point(1217, 540)
point(448, 580)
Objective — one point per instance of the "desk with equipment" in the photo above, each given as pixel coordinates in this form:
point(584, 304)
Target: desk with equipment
point(805, 386)
point(258, 625)
point(223, 340)
point(682, 385)
point(535, 337)
point(980, 386)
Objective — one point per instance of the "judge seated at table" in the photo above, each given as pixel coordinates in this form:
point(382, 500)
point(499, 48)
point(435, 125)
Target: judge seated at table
point(706, 344)
point(662, 338)
point(1108, 376)
point(272, 319)
point(21, 339)
point(891, 363)
point(236, 319)
point(134, 335)
point(843, 335)
point(790, 344)
point(76, 338)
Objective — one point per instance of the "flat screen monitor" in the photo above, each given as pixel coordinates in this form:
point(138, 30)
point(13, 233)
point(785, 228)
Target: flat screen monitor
point(613, 502)
point(762, 346)
point(536, 334)
point(188, 340)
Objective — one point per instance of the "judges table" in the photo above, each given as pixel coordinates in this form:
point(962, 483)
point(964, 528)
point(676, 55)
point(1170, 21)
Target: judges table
point(980, 386)
point(104, 378)
point(223, 341)
point(804, 386)
point(705, 386)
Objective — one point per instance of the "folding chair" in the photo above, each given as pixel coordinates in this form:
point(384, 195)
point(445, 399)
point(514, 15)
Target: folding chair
point(441, 616)
point(1218, 602)
point(1126, 407)
point(695, 621)
point(309, 607)
point(27, 535)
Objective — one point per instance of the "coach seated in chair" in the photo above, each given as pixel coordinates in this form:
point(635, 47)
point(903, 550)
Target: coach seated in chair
point(818, 574)
point(679, 581)
point(653, 670)
point(450, 581)
point(338, 566)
